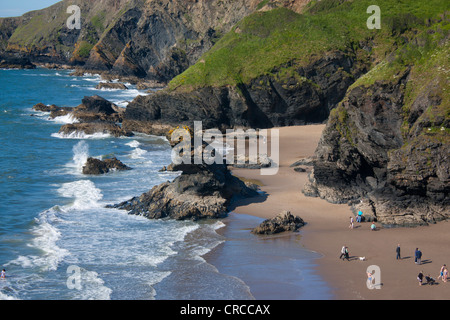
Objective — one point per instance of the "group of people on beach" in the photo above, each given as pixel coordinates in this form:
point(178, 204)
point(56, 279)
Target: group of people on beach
point(359, 218)
point(443, 274)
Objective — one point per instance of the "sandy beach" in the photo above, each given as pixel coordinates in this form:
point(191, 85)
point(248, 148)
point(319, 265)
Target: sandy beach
point(327, 230)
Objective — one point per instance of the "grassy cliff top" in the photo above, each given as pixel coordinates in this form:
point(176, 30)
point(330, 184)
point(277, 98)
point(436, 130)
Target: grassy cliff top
point(267, 40)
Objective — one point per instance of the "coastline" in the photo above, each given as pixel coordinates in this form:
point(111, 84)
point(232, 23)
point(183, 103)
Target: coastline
point(327, 230)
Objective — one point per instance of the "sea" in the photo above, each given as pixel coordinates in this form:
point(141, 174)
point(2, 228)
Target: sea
point(58, 241)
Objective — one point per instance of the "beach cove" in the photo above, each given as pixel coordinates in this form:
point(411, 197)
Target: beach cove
point(327, 230)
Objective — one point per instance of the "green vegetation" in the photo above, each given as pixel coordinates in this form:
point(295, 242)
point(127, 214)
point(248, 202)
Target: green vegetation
point(84, 49)
point(265, 41)
point(98, 22)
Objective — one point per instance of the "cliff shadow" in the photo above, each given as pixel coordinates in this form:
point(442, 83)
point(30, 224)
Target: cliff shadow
point(242, 202)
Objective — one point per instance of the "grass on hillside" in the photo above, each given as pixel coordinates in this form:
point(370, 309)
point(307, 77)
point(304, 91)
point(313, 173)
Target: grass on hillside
point(264, 41)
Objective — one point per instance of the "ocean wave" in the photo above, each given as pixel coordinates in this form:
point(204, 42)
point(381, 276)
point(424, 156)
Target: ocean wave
point(81, 135)
point(80, 156)
point(133, 144)
point(45, 239)
point(93, 287)
point(66, 119)
point(84, 193)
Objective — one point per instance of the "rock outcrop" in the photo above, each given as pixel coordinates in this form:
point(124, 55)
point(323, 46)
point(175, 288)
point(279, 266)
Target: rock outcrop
point(385, 148)
point(94, 115)
point(268, 101)
point(146, 39)
point(111, 86)
point(283, 222)
point(14, 62)
point(201, 191)
point(96, 166)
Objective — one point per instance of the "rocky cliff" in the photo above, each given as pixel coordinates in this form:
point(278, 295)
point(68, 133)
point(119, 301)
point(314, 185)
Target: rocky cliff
point(139, 38)
point(385, 148)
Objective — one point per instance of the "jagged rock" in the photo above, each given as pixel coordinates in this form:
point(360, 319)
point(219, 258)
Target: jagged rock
point(111, 85)
point(96, 166)
point(54, 110)
point(283, 222)
point(201, 191)
point(385, 149)
point(90, 128)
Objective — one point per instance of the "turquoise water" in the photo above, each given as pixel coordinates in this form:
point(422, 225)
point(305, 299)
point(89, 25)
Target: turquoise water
point(54, 220)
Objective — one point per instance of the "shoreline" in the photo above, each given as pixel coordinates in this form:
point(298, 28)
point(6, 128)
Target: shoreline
point(327, 230)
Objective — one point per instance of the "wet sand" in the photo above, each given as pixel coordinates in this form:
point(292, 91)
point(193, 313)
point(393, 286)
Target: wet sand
point(327, 230)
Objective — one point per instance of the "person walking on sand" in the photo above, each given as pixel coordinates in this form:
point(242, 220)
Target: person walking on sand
point(342, 252)
point(351, 223)
point(398, 252)
point(441, 272)
point(346, 256)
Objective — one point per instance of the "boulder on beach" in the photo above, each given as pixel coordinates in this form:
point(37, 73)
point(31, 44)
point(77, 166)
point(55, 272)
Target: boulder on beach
point(97, 166)
point(283, 222)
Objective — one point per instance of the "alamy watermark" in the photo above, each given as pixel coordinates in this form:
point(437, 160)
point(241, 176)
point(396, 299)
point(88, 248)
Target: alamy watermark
point(373, 277)
point(74, 21)
point(236, 146)
point(74, 278)
point(374, 21)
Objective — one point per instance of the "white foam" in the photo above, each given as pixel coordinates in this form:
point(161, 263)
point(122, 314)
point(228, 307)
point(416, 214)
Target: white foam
point(66, 119)
point(84, 193)
point(80, 156)
point(138, 153)
point(93, 287)
point(133, 144)
point(81, 135)
point(46, 237)
point(6, 297)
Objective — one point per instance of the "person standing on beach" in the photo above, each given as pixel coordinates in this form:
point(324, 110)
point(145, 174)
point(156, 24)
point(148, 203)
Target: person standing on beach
point(359, 217)
point(398, 252)
point(418, 255)
point(351, 223)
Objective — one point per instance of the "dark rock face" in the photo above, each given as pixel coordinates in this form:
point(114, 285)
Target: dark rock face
point(201, 191)
point(268, 101)
point(111, 85)
point(96, 166)
point(395, 170)
point(13, 62)
point(90, 128)
point(283, 222)
point(94, 115)
point(158, 40)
